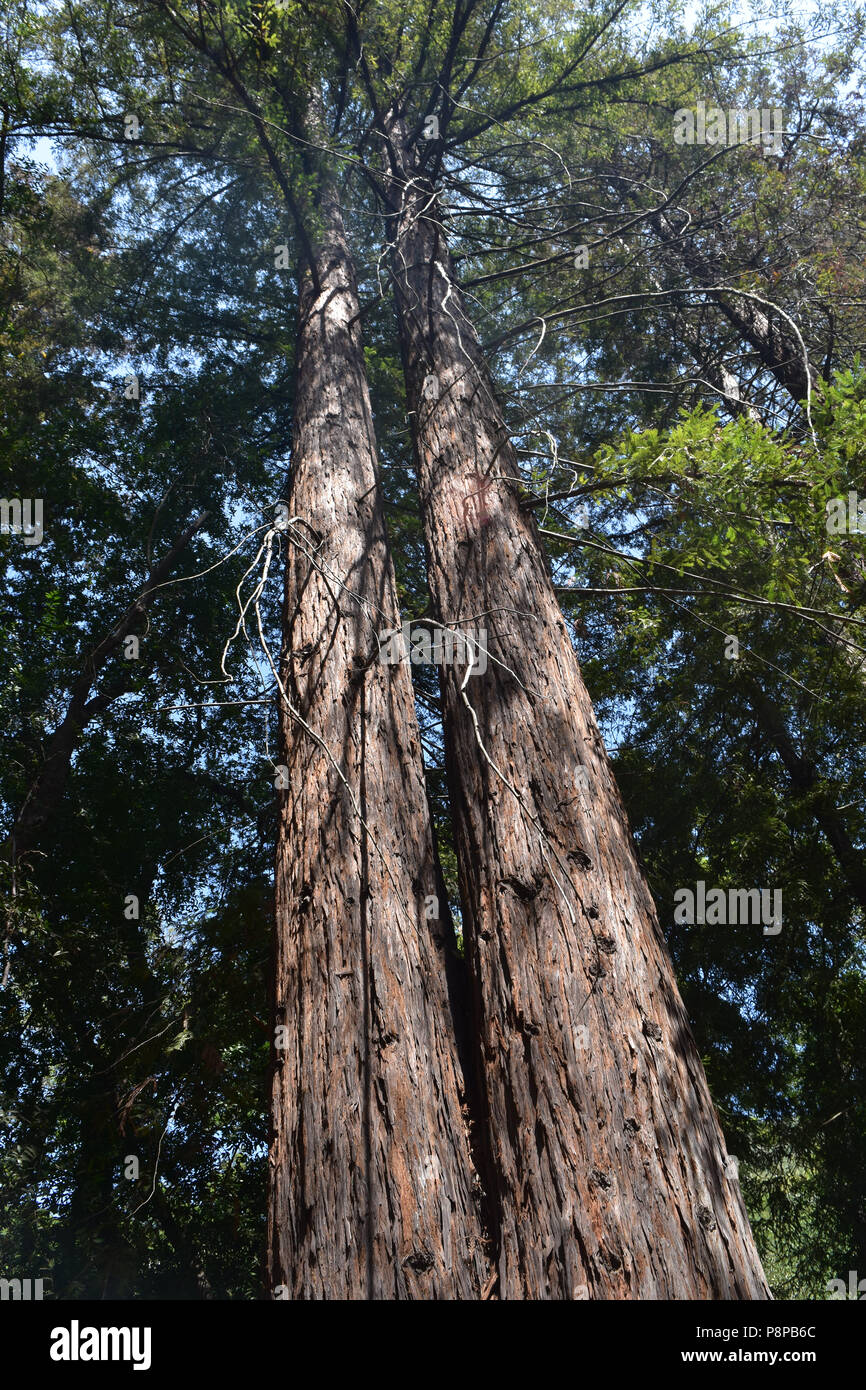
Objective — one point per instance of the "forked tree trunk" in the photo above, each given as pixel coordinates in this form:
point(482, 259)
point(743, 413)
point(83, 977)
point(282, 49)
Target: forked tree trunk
point(604, 1160)
point(371, 1182)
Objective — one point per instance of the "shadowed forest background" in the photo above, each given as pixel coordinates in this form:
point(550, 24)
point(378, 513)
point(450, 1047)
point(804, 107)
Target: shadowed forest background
point(674, 335)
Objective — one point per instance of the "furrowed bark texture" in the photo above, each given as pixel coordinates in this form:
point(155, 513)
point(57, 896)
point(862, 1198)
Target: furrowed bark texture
point(605, 1163)
point(371, 1182)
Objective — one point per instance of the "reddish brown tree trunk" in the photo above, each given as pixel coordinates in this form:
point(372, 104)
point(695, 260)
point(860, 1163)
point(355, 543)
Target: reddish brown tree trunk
point(371, 1181)
point(605, 1161)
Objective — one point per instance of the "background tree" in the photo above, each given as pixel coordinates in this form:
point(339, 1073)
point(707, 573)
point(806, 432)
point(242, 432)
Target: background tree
point(731, 771)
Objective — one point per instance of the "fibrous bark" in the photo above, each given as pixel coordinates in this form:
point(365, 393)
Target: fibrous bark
point(604, 1161)
point(372, 1188)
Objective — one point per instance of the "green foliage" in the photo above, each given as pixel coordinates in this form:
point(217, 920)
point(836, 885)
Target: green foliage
point(148, 1036)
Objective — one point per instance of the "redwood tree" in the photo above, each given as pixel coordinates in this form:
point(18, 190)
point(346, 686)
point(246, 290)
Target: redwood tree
point(371, 1180)
point(372, 1186)
point(604, 1159)
point(603, 1162)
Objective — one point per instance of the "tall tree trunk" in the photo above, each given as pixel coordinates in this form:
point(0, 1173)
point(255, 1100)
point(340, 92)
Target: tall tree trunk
point(372, 1188)
point(604, 1156)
